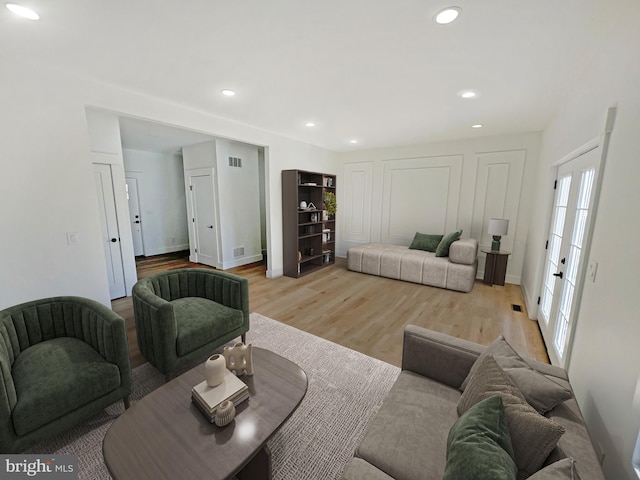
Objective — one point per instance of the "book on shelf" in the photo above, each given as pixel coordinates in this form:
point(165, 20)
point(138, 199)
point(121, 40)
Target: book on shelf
point(209, 398)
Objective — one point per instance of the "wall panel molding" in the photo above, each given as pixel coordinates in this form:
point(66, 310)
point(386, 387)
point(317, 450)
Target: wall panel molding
point(498, 185)
point(420, 195)
point(357, 184)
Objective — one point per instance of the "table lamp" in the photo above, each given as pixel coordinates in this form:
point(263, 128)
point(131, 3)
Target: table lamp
point(497, 228)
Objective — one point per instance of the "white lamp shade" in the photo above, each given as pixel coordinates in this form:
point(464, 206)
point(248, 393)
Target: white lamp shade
point(498, 226)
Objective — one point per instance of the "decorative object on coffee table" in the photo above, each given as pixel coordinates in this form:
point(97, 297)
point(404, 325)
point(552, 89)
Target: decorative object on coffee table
point(208, 400)
point(179, 440)
point(214, 370)
point(239, 359)
point(225, 413)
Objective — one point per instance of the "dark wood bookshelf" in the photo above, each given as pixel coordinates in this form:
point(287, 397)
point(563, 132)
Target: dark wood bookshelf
point(308, 239)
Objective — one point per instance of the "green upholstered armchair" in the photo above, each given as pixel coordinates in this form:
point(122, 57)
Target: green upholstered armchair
point(182, 315)
point(62, 360)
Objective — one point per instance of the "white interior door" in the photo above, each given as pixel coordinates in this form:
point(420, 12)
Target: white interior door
point(134, 215)
point(204, 223)
point(566, 251)
point(110, 233)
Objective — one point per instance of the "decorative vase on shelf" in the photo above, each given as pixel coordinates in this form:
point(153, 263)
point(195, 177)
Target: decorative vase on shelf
point(214, 370)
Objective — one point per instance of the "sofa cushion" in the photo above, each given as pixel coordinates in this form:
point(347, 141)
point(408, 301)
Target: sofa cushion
point(576, 442)
point(358, 469)
point(443, 247)
point(425, 241)
point(479, 444)
point(561, 470)
point(464, 252)
point(541, 392)
point(417, 412)
point(533, 436)
point(195, 328)
point(56, 377)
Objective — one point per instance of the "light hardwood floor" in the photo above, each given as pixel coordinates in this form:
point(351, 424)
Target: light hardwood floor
point(367, 313)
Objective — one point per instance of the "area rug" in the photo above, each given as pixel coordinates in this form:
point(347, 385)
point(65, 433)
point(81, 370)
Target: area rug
point(346, 389)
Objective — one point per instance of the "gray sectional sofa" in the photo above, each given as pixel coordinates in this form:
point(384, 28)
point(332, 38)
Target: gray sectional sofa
point(455, 272)
point(408, 438)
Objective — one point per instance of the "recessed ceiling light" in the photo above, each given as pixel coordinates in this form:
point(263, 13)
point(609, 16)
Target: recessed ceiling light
point(447, 15)
point(22, 11)
point(309, 124)
point(228, 93)
point(353, 141)
point(477, 125)
point(468, 94)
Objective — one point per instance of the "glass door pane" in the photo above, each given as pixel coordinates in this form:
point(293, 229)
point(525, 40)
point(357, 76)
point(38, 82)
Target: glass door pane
point(555, 242)
point(573, 260)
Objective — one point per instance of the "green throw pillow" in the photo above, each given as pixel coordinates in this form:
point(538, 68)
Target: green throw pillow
point(479, 445)
point(426, 242)
point(443, 247)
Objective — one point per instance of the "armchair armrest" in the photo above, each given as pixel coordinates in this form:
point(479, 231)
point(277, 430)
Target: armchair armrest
point(438, 356)
point(156, 328)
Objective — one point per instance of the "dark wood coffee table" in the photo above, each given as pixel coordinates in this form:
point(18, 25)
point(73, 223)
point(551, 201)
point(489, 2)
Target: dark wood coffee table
point(165, 436)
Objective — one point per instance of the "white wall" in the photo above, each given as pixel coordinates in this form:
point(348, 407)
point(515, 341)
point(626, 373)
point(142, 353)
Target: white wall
point(239, 203)
point(162, 199)
point(47, 176)
point(386, 195)
point(605, 359)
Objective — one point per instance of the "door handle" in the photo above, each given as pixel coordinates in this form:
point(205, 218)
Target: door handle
point(114, 240)
point(563, 261)
point(559, 274)
point(210, 226)
point(137, 221)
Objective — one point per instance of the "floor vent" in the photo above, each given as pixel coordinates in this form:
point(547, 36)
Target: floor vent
point(516, 308)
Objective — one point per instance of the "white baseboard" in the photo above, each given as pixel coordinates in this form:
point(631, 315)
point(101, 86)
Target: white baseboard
point(513, 279)
point(530, 302)
point(236, 262)
point(275, 273)
point(163, 250)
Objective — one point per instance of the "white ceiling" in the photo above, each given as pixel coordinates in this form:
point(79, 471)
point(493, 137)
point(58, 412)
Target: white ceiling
point(380, 71)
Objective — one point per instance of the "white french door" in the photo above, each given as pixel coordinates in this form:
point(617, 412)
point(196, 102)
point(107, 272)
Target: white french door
point(567, 245)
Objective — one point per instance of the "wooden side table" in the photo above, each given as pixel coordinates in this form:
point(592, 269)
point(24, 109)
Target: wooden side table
point(495, 267)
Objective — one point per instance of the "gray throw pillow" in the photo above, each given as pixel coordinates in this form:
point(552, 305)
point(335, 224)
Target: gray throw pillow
point(479, 446)
point(541, 392)
point(533, 436)
point(426, 242)
point(443, 247)
point(564, 469)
